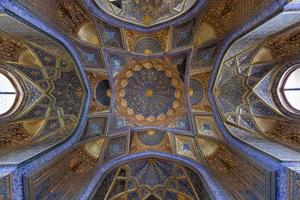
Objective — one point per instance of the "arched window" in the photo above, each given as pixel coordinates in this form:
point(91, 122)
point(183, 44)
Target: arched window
point(8, 94)
point(291, 89)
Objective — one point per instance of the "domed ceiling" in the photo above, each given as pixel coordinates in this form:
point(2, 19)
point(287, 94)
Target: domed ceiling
point(145, 13)
point(149, 100)
point(149, 93)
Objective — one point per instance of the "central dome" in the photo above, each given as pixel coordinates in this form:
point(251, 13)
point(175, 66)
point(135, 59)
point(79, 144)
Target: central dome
point(149, 92)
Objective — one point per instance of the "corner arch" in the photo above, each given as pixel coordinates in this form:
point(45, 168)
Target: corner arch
point(213, 188)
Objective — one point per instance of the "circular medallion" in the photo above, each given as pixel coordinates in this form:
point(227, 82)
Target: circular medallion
point(149, 92)
point(151, 138)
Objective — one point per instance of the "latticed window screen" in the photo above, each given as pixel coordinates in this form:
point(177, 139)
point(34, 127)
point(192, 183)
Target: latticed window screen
point(292, 89)
point(7, 94)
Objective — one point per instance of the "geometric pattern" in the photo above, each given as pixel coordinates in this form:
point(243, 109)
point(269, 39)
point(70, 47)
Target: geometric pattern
point(149, 92)
point(107, 51)
point(150, 140)
point(186, 146)
point(95, 127)
point(206, 126)
point(198, 91)
point(150, 179)
point(6, 187)
point(144, 13)
point(115, 147)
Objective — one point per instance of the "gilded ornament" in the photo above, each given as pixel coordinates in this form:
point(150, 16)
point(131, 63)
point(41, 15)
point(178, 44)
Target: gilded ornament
point(122, 93)
point(177, 94)
point(124, 103)
point(150, 119)
point(129, 74)
point(159, 67)
point(141, 92)
point(191, 92)
point(161, 117)
point(138, 67)
point(148, 65)
point(130, 111)
point(109, 93)
point(149, 93)
point(174, 82)
point(169, 73)
point(148, 52)
point(151, 132)
point(175, 104)
point(170, 112)
point(124, 82)
point(139, 117)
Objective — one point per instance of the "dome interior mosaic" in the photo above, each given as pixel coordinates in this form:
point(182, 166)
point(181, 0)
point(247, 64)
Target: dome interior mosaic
point(145, 13)
point(149, 92)
point(149, 100)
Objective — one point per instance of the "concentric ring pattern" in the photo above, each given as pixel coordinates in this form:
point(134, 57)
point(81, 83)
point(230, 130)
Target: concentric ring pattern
point(149, 92)
point(151, 138)
point(196, 91)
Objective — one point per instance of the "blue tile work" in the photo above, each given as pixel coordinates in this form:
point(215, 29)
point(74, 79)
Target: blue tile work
point(95, 127)
point(151, 139)
point(148, 43)
point(49, 75)
point(246, 57)
point(260, 71)
point(161, 99)
point(36, 163)
point(262, 89)
point(115, 60)
point(231, 94)
point(185, 188)
point(101, 92)
point(181, 60)
point(182, 124)
point(69, 103)
point(198, 7)
point(183, 34)
point(198, 185)
point(90, 56)
point(198, 92)
point(170, 195)
point(294, 184)
point(31, 165)
point(213, 188)
point(133, 195)
point(116, 147)
point(150, 175)
point(72, 98)
point(242, 177)
point(205, 56)
point(6, 187)
point(33, 73)
point(245, 149)
point(260, 109)
point(105, 184)
point(151, 172)
point(111, 35)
